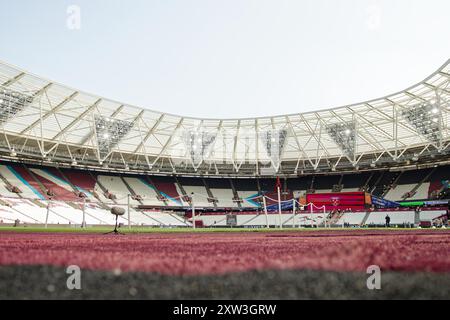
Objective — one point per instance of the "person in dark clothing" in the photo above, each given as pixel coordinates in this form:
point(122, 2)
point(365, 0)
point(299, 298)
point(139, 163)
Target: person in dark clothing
point(388, 221)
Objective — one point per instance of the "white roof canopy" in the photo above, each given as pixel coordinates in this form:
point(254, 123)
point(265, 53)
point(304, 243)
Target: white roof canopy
point(46, 120)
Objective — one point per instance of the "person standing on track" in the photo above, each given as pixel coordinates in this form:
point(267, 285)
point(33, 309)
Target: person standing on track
point(388, 221)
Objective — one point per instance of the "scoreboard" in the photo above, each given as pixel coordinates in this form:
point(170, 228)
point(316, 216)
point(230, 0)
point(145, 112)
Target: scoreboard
point(340, 200)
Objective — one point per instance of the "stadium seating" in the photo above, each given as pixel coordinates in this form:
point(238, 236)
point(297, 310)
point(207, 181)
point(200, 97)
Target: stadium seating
point(148, 193)
point(397, 218)
point(196, 189)
point(60, 188)
point(81, 180)
point(324, 184)
point(104, 190)
point(16, 209)
point(200, 195)
point(397, 192)
point(5, 191)
point(28, 178)
point(352, 218)
point(29, 189)
point(26, 210)
point(224, 197)
point(221, 190)
point(306, 219)
point(430, 215)
point(115, 186)
point(260, 220)
point(166, 219)
point(249, 198)
point(168, 189)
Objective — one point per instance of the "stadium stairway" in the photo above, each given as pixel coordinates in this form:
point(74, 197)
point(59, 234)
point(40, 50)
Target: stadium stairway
point(5, 189)
point(416, 195)
point(365, 185)
point(13, 174)
point(103, 190)
point(364, 220)
point(375, 187)
point(167, 195)
point(62, 175)
point(179, 186)
point(61, 189)
point(199, 196)
point(169, 190)
point(33, 180)
point(58, 176)
point(130, 190)
point(235, 194)
point(77, 204)
point(80, 180)
point(340, 182)
point(144, 188)
point(114, 185)
point(149, 182)
point(211, 198)
point(393, 184)
point(396, 192)
point(386, 183)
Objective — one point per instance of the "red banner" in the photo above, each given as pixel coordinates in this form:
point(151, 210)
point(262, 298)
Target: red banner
point(339, 201)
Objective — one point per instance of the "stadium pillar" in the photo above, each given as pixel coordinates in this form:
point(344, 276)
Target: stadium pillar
point(128, 211)
point(193, 210)
point(83, 224)
point(279, 206)
point(48, 212)
point(265, 211)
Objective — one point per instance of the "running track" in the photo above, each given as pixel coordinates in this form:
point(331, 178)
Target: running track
point(221, 253)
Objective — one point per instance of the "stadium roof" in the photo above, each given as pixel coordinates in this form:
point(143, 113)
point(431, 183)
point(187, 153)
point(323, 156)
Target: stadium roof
point(42, 120)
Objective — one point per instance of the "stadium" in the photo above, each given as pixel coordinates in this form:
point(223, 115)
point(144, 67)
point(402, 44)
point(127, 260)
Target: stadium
point(234, 204)
point(69, 157)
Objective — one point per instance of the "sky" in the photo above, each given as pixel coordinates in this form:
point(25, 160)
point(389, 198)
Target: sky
point(228, 58)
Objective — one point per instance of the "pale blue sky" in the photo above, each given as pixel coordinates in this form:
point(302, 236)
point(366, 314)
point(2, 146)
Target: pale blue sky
point(230, 58)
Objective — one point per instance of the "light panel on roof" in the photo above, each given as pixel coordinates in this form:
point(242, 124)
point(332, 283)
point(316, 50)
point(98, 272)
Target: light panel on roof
point(109, 132)
point(344, 134)
point(11, 103)
point(426, 119)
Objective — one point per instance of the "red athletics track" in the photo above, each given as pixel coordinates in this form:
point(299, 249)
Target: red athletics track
point(217, 253)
